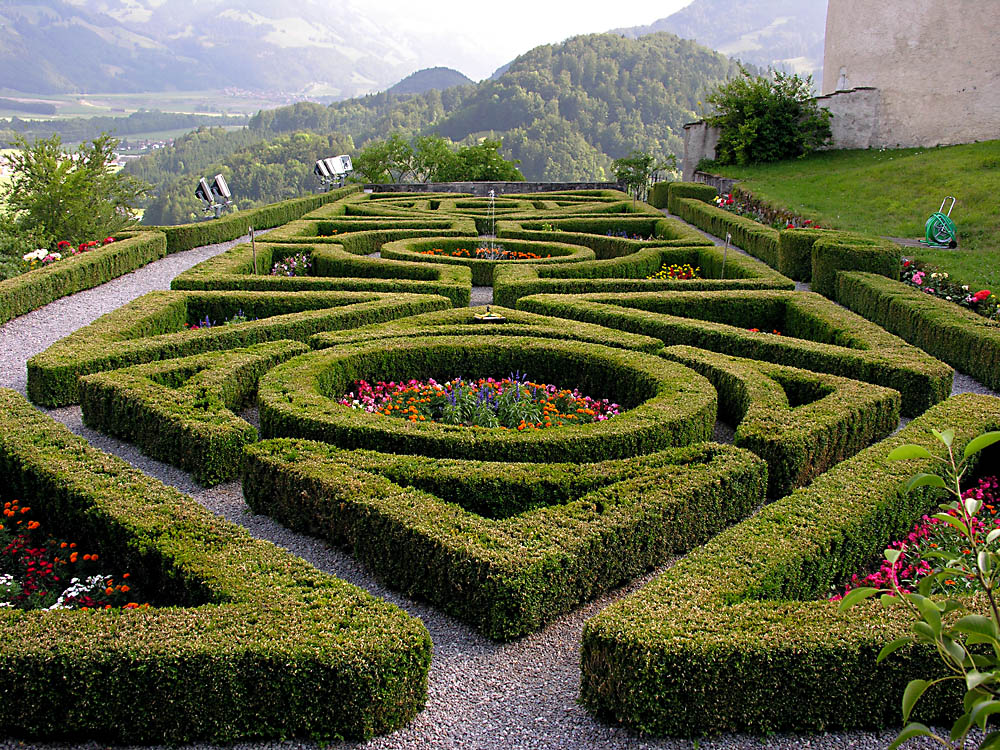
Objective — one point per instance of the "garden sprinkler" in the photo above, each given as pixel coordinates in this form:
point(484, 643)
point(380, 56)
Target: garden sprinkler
point(940, 230)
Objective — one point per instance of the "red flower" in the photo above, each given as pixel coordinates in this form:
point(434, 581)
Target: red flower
point(108, 240)
point(63, 243)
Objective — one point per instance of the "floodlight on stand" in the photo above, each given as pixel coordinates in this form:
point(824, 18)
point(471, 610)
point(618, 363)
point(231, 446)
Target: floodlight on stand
point(221, 190)
point(346, 164)
point(204, 193)
point(333, 164)
point(215, 196)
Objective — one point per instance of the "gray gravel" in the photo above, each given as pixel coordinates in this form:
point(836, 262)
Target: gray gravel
point(481, 694)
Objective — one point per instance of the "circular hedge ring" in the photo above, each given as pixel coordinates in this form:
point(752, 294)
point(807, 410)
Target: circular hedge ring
point(667, 404)
point(482, 268)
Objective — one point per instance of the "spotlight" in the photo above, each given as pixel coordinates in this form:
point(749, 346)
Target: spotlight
point(333, 170)
point(216, 196)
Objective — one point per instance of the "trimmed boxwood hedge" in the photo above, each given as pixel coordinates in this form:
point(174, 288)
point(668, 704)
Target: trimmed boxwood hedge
point(659, 195)
point(584, 530)
point(152, 327)
point(739, 636)
point(966, 341)
point(795, 252)
point(840, 251)
point(331, 231)
point(34, 289)
point(334, 268)
point(461, 322)
point(226, 228)
point(667, 404)
point(753, 238)
point(678, 191)
point(800, 422)
point(628, 274)
point(180, 411)
point(483, 269)
point(818, 334)
point(257, 643)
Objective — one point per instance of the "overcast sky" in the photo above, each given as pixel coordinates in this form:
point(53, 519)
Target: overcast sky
point(504, 30)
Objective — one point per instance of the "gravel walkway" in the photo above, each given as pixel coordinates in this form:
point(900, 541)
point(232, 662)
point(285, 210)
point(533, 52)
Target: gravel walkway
point(481, 694)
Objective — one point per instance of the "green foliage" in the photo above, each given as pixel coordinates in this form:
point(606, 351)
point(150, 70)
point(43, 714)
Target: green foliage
point(151, 328)
point(385, 161)
point(834, 252)
point(29, 291)
point(181, 410)
point(817, 334)
point(239, 613)
point(77, 129)
point(668, 405)
point(639, 170)
point(505, 547)
point(966, 341)
point(955, 627)
point(767, 118)
point(891, 192)
point(58, 195)
point(432, 159)
point(802, 423)
point(725, 638)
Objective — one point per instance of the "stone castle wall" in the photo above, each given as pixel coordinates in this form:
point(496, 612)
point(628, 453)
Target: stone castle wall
point(936, 66)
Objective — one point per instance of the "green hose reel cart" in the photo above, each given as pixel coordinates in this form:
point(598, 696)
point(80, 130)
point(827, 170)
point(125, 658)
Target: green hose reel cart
point(940, 231)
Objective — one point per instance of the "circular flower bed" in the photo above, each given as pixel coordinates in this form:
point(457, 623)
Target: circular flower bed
point(511, 403)
point(661, 403)
point(480, 258)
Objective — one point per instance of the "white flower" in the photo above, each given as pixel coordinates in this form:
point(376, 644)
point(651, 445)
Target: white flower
point(35, 254)
point(55, 256)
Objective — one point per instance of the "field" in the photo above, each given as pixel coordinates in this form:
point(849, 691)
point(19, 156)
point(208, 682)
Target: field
point(892, 193)
point(215, 102)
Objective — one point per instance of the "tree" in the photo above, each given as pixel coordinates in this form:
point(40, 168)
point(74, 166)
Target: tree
point(385, 161)
point(59, 195)
point(767, 118)
point(638, 171)
point(483, 163)
point(432, 155)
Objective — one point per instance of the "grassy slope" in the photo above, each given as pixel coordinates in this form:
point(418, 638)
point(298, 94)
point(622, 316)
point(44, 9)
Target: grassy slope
point(891, 193)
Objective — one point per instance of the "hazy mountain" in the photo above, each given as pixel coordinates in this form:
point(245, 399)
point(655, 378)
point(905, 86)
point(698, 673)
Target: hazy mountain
point(313, 46)
point(430, 78)
point(785, 34)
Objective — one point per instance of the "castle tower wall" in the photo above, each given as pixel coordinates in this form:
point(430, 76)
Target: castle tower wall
point(936, 66)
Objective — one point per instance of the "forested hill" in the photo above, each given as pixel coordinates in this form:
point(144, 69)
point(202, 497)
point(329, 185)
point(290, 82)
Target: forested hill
point(565, 110)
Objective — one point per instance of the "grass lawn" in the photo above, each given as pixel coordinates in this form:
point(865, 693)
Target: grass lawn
point(892, 192)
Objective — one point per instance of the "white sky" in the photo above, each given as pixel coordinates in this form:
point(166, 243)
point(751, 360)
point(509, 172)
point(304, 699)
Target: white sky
point(503, 30)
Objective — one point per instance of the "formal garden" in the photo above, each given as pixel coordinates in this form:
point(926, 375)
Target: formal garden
point(500, 414)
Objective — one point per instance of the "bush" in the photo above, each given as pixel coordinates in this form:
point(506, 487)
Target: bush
point(817, 334)
point(848, 252)
point(565, 532)
point(668, 405)
point(740, 636)
point(966, 341)
point(34, 289)
point(802, 423)
point(751, 237)
point(658, 195)
point(180, 411)
point(337, 662)
point(767, 118)
point(677, 191)
point(152, 328)
point(795, 251)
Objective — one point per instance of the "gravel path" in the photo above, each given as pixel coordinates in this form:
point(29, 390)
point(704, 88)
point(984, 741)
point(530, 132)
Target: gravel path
point(481, 694)
point(34, 332)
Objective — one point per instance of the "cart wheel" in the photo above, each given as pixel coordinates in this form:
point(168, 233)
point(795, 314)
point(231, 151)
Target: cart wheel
point(942, 231)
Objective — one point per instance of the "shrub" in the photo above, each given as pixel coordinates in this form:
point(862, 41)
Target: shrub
point(840, 251)
point(565, 532)
point(818, 335)
point(966, 341)
point(677, 191)
point(152, 328)
point(740, 635)
point(181, 410)
point(802, 423)
point(336, 661)
point(667, 404)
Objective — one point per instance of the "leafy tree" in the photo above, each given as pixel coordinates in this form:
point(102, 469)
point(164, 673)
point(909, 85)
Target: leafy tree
point(432, 156)
point(639, 170)
point(72, 196)
point(767, 118)
point(481, 162)
point(385, 161)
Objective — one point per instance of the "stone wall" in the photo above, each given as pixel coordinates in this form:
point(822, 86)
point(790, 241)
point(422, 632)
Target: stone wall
point(483, 188)
point(700, 141)
point(935, 64)
point(855, 122)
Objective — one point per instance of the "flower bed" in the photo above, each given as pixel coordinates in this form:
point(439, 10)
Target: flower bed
point(929, 537)
point(44, 573)
point(42, 257)
point(297, 264)
point(511, 403)
point(939, 284)
point(677, 272)
point(486, 253)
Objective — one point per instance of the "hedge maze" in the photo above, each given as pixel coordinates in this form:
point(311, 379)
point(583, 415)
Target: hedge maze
point(503, 529)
